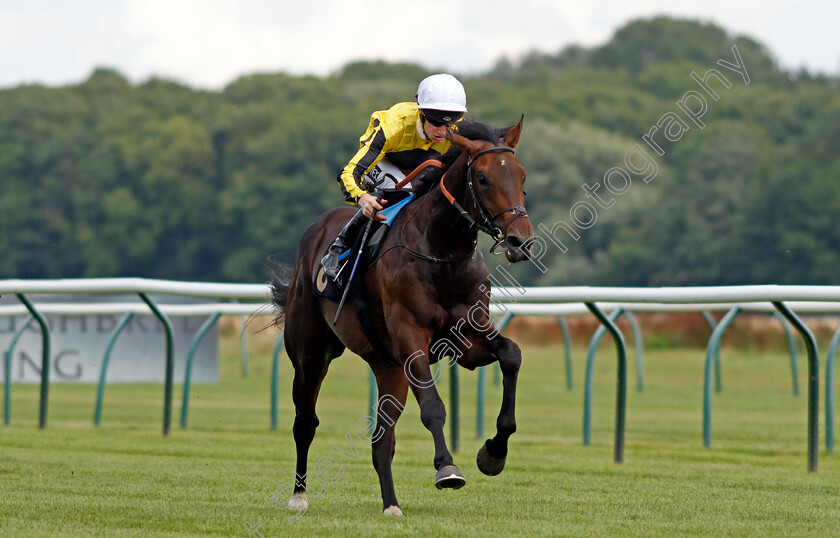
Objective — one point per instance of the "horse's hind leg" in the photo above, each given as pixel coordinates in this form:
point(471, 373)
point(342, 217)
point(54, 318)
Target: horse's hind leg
point(393, 389)
point(310, 349)
point(491, 456)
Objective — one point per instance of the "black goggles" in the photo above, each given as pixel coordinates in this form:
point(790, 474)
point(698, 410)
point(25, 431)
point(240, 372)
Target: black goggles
point(439, 118)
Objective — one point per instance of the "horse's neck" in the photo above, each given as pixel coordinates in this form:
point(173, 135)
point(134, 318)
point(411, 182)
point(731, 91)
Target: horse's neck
point(447, 234)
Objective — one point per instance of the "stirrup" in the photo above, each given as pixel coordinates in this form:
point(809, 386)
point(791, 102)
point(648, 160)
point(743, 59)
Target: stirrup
point(331, 261)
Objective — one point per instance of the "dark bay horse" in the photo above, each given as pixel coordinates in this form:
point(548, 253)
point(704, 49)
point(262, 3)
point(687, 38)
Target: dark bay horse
point(428, 297)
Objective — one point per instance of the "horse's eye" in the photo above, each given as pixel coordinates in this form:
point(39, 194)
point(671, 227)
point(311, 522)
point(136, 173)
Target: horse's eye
point(524, 192)
point(481, 178)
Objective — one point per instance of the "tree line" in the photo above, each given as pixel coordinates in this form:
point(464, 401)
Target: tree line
point(109, 178)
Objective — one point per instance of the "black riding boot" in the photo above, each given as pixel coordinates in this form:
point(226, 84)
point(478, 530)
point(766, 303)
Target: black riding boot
point(341, 244)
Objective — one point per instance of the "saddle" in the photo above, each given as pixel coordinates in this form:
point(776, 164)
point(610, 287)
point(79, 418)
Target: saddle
point(325, 287)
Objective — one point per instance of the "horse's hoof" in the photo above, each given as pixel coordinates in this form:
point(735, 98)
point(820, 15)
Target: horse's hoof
point(392, 511)
point(298, 502)
point(487, 464)
point(449, 476)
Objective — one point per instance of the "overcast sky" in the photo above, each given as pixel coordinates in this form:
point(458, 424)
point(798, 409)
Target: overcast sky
point(209, 43)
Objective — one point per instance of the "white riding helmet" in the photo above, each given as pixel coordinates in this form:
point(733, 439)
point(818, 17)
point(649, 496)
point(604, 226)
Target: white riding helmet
point(442, 92)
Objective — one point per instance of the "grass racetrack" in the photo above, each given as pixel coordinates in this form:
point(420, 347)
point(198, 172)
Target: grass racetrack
point(125, 479)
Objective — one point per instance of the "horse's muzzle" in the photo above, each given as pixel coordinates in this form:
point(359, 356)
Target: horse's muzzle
point(518, 246)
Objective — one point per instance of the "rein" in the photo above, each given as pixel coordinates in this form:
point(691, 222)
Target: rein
point(425, 164)
point(486, 218)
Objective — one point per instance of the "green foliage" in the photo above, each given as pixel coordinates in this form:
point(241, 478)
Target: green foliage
point(645, 42)
point(380, 70)
point(108, 178)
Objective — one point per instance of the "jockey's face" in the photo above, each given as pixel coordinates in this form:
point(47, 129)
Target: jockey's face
point(435, 134)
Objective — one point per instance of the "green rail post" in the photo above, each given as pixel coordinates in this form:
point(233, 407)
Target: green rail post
point(7, 377)
point(813, 383)
point(567, 347)
point(500, 326)
point(185, 400)
point(794, 370)
point(170, 362)
point(711, 348)
point(638, 346)
point(453, 406)
point(621, 381)
point(275, 378)
point(103, 372)
point(45, 359)
point(482, 381)
point(590, 374)
point(711, 321)
point(829, 392)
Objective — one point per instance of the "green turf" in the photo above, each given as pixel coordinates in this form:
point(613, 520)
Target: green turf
point(125, 479)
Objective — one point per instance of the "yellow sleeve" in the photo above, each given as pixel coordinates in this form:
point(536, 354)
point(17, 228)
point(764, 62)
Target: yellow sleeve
point(380, 137)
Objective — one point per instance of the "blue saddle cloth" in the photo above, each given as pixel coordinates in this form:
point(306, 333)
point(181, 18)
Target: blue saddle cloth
point(390, 212)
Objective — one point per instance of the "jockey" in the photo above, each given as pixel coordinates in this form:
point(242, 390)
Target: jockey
point(396, 142)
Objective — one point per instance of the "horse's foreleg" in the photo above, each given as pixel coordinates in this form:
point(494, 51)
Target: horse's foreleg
point(491, 456)
point(392, 394)
point(433, 416)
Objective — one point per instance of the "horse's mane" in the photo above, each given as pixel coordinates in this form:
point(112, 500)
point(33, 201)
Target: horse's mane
point(473, 130)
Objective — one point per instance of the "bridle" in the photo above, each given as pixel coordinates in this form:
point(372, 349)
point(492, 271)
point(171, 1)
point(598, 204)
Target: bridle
point(486, 218)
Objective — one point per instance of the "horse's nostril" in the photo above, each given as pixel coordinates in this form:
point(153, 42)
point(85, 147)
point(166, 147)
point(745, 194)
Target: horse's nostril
point(518, 247)
point(515, 243)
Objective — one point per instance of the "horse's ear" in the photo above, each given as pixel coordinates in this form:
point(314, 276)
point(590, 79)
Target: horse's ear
point(512, 136)
point(464, 144)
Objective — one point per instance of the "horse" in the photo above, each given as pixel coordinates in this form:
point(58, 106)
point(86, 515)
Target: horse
point(428, 297)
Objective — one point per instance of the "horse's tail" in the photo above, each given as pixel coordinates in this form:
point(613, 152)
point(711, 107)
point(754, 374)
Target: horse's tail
point(279, 286)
